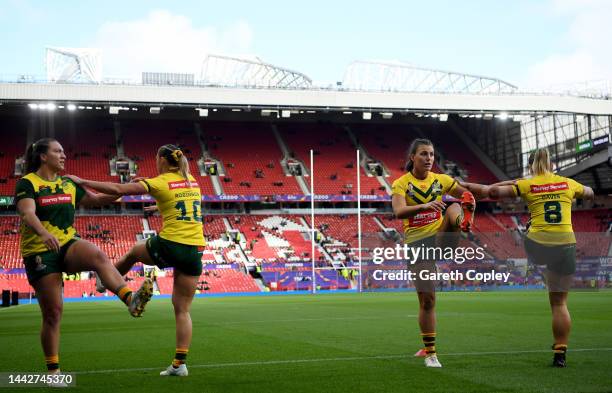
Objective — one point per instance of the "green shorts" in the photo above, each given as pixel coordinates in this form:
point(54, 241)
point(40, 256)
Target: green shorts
point(560, 259)
point(165, 253)
point(39, 265)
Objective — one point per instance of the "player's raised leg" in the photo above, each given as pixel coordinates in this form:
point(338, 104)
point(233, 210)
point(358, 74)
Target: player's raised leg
point(138, 253)
point(449, 232)
point(85, 256)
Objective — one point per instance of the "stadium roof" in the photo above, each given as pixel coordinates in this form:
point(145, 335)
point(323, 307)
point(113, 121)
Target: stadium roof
point(65, 65)
point(225, 70)
point(74, 76)
point(385, 76)
point(324, 99)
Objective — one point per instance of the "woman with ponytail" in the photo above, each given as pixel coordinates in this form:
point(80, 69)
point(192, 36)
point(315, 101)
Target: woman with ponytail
point(428, 222)
point(550, 239)
point(49, 243)
point(180, 242)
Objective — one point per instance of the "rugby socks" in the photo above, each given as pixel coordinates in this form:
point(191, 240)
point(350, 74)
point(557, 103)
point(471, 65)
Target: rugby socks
point(52, 362)
point(559, 348)
point(125, 294)
point(559, 351)
point(180, 357)
point(429, 340)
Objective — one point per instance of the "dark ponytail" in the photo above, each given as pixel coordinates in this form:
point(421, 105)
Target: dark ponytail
point(413, 149)
point(33, 152)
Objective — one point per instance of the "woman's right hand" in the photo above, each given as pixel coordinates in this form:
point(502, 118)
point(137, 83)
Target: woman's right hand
point(435, 205)
point(50, 241)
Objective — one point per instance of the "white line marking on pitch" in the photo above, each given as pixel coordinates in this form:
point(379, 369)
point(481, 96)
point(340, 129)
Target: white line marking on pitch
point(322, 360)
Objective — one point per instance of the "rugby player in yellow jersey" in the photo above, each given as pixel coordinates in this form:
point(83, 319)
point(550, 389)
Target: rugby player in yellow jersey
point(417, 199)
point(50, 245)
point(550, 238)
point(179, 244)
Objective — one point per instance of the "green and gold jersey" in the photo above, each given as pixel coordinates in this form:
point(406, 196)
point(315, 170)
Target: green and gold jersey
point(418, 192)
point(55, 205)
point(549, 199)
point(180, 207)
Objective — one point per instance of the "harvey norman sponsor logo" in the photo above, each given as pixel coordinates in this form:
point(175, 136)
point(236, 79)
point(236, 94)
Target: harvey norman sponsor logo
point(552, 187)
point(173, 185)
point(54, 199)
point(425, 218)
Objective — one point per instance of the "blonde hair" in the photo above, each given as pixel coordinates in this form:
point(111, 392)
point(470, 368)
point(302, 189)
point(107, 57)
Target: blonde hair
point(539, 162)
point(175, 157)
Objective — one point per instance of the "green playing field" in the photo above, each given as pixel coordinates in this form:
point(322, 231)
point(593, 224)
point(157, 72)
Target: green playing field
point(487, 342)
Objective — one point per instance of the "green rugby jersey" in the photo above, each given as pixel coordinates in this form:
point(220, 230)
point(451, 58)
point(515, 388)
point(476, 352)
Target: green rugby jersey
point(55, 205)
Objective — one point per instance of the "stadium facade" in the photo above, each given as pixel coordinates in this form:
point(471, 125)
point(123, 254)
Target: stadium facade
point(249, 126)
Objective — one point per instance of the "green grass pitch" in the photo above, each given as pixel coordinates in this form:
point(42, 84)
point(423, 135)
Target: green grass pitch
point(487, 342)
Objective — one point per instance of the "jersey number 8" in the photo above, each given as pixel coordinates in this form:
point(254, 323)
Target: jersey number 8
point(552, 212)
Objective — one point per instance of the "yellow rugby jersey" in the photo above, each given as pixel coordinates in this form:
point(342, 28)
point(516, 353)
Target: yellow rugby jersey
point(418, 192)
point(55, 205)
point(549, 199)
point(179, 206)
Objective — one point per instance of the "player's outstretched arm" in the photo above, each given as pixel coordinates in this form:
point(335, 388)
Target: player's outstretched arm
point(505, 183)
point(99, 199)
point(480, 191)
point(500, 192)
point(110, 188)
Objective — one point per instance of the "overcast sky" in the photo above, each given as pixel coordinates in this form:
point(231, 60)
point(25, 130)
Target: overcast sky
point(527, 43)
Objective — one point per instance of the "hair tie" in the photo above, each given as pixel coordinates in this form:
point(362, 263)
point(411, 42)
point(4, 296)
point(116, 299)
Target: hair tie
point(177, 154)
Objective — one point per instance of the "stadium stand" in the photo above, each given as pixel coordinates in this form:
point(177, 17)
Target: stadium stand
point(388, 144)
point(251, 158)
point(115, 235)
point(334, 158)
point(13, 136)
point(455, 150)
point(215, 281)
point(10, 257)
point(90, 160)
point(159, 133)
